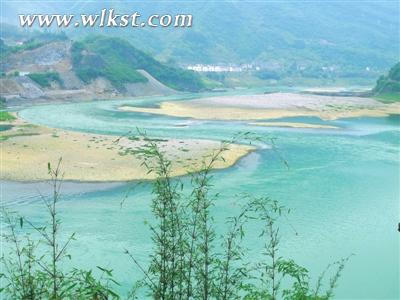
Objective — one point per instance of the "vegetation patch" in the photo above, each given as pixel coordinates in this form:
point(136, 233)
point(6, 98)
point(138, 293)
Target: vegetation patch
point(387, 88)
point(388, 97)
point(6, 116)
point(28, 45)
point(10, 136)
point(36, 40)
point(45, 79)
point(118, 61)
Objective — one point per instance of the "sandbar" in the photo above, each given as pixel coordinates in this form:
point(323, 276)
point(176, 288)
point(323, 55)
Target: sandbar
point(26, 149)
point(272, 106)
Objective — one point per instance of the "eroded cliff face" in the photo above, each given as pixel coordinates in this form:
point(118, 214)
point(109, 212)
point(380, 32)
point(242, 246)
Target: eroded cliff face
point(53, 56)
point(16, 86)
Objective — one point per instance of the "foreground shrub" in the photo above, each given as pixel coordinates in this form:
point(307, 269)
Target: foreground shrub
point(190, 261)
point(33, 266)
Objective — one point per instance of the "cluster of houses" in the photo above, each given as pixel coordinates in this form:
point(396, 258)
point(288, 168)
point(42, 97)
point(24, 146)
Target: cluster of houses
point(223, 68)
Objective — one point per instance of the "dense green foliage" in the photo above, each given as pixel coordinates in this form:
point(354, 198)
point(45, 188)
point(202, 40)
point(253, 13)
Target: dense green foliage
point(103, 60)
point(6, 116)
point(387, 87)
point(388, 97)
point(118, 61)
point(45, 79)
point(390, 82)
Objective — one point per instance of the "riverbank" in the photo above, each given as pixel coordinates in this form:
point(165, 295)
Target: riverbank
point(26, 149)
point(272, 106)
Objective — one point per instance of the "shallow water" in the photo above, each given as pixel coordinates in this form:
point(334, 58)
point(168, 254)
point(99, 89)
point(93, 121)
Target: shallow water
point(342, 187)
point(5, 127)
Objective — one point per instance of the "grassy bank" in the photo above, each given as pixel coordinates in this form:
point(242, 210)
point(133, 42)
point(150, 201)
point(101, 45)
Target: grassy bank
point(388, 97)
point(5, 116)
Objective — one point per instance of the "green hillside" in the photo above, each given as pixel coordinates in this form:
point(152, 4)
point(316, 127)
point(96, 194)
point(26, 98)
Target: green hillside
point(387, 87)
point(30, 39)
point(353, 39)
point(118, 61)
point(46, 78)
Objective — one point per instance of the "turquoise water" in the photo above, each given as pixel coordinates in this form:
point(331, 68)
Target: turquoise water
point(5, 127)
point(342, 187)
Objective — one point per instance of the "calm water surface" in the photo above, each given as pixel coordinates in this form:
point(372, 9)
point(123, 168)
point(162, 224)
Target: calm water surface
point(342, 187)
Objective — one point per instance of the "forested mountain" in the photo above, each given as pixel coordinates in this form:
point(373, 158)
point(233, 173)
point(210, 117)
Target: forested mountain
point(347, 38)
point(94, 67)
point(119, 62)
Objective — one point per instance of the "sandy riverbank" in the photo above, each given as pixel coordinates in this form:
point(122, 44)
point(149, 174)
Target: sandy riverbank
point(26, 149)
point(272, 106)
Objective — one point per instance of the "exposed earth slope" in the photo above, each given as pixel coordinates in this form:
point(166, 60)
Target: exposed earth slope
point(97, 67)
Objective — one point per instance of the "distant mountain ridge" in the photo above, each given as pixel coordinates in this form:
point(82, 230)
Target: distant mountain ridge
point(349, 38)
